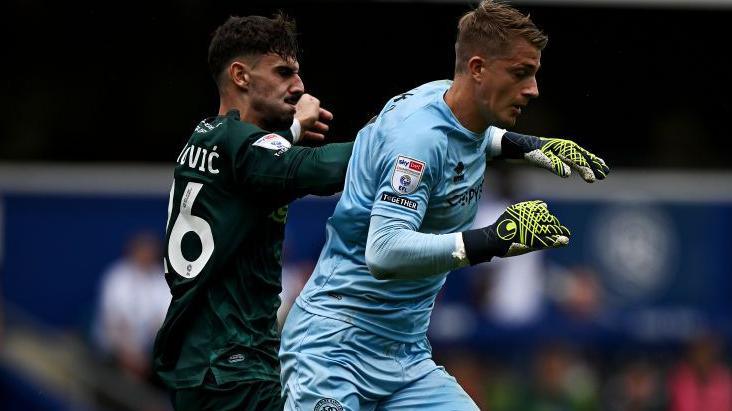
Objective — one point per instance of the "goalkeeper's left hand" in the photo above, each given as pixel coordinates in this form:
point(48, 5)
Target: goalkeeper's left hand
point(522, 228)
point(556, 155)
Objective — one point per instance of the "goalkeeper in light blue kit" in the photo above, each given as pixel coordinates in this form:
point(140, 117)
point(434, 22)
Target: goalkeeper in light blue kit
point(356, 337)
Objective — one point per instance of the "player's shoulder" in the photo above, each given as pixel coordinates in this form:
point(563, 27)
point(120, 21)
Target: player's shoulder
point(211, 146)
point(417, 110)
point(222, 125)
point(415, 118)
point(230, 134)
point(242, 134)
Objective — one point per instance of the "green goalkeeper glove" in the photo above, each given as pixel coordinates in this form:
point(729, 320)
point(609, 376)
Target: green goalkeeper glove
point(556, 155)
point(523, 227)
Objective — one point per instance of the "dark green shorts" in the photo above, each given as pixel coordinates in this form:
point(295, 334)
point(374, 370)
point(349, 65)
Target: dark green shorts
point(239, 396)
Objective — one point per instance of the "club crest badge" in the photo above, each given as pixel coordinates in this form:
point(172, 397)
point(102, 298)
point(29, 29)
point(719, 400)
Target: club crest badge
point(407, 175)
point(328, 404)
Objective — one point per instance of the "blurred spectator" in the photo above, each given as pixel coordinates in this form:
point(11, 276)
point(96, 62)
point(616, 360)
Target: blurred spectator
point(576, 292)
point(513, 288)
point(294, 277)
point(2, 322)
point(701, 381)
point(133, 301)
point(562, 382)
point(469, 370)
point(505, 390)
point(637, 387)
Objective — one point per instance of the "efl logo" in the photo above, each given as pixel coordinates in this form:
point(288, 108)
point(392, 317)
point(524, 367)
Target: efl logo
point(416, 166)
point(273, 142)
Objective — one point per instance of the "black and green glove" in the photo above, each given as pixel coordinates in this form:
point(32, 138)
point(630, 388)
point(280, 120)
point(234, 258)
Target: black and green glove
point(556, 155)
point(522, 228)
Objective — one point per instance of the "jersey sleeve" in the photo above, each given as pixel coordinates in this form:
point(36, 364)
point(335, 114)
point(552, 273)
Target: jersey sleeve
point(270, 164)
point(289, 134)
point(409, 169)
point(493, 143)
point(393, 251)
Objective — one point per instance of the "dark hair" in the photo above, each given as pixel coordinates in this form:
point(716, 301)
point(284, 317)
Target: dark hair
point(490, 28)
point(251, 36)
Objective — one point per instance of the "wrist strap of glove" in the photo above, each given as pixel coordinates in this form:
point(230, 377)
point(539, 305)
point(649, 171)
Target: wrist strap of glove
point(483, 244)
point(515, 145)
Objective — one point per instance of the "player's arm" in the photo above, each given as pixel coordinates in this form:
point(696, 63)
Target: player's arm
point(320, 170)
point(272, 165)
point(395, 250)
point(409, 167)
point(556, 155)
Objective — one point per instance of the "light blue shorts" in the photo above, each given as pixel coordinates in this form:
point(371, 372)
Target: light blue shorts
point(330, 365)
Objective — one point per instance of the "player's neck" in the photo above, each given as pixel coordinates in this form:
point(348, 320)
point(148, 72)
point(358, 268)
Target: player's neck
point(462, 102)
point(241, 104)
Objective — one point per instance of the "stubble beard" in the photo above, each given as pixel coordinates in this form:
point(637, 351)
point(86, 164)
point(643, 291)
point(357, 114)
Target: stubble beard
point(272, 117)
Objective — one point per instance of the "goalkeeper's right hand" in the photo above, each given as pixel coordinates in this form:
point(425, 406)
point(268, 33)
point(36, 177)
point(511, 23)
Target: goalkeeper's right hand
point(523, 227)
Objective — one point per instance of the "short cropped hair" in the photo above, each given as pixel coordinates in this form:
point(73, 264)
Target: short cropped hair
point(251, 36)
point(489, 29)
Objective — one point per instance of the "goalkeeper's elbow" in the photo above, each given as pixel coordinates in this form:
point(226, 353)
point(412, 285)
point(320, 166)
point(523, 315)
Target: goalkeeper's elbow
point(377, 266)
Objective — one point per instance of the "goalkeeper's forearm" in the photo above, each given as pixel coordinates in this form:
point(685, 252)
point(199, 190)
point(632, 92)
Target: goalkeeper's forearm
point(395, 251)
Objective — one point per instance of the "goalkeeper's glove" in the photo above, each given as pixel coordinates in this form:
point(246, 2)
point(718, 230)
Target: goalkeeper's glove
point(523, 227)
point(554, 154)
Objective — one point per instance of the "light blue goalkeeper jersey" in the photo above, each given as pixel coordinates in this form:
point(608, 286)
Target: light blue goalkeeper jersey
point(415, 163)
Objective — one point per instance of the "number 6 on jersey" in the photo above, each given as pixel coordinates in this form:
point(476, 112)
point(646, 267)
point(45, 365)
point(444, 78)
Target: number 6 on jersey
point(187, 223)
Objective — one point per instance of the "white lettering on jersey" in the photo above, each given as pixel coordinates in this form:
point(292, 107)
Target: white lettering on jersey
point(407, 175)
point(273, 142)
point(204, 127)
point(199, 157)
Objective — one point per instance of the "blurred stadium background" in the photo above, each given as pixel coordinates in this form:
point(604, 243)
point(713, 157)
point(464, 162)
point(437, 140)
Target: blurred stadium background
point(98, 100)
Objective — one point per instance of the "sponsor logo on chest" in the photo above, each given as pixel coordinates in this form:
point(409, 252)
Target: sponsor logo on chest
point(467, 197)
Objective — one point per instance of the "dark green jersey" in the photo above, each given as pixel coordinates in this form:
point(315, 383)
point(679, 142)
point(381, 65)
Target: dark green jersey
point(226, 216)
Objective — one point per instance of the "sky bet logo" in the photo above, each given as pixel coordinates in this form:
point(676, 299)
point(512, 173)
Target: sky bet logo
point(410, 164)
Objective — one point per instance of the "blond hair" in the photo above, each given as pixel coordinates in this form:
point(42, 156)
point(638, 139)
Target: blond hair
point(489, 29)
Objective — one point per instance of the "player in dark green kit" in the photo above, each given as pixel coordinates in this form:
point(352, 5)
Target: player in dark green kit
point(217, 349)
